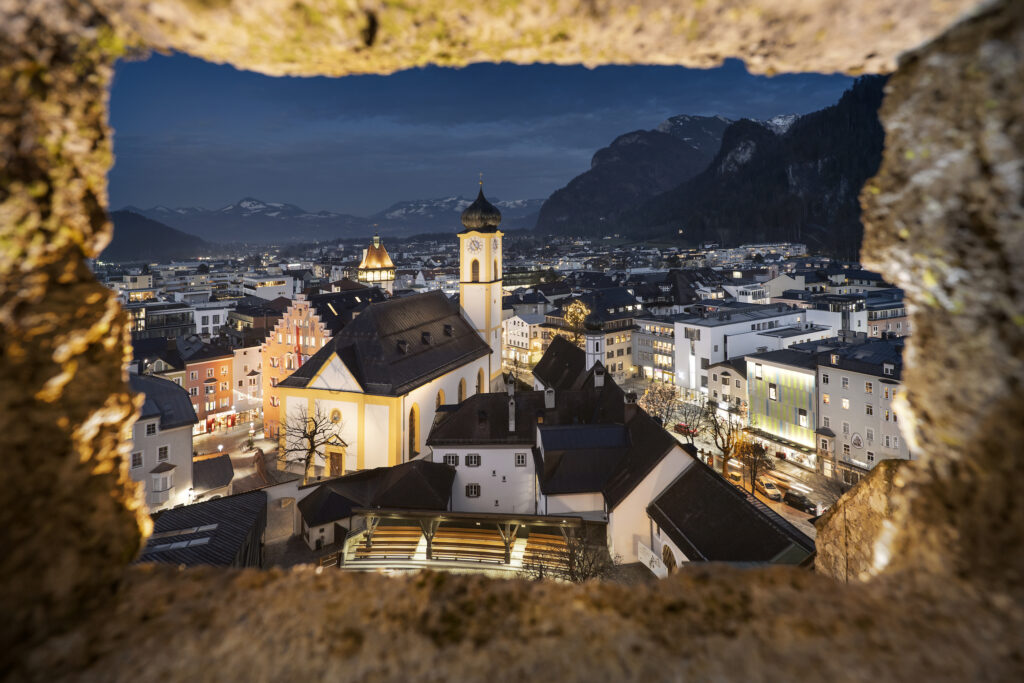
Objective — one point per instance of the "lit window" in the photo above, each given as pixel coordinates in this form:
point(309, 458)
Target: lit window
point(825, 399)
point(846, 404)
point(868, 387)
point(757, 370)
point(802, 417)
point(193, 375)
point(773, 392)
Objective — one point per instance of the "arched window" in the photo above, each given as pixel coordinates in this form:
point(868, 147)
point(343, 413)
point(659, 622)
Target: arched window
point(440, 399)
point(474, 271)
point(462, 390)
point(480, 381)
point(289, 362)
point(414, 431)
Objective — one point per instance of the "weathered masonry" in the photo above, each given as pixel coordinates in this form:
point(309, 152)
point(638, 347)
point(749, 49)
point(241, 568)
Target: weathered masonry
point(934, 588)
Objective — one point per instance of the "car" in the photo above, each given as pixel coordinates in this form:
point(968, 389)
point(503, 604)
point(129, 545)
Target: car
point(735, 477)
point(795, 499)
point(768, 488)
point(684, 429)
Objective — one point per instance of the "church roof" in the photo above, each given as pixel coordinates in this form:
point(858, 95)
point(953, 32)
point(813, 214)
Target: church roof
point(397, 345)
point(481, 215)
point(376, 256)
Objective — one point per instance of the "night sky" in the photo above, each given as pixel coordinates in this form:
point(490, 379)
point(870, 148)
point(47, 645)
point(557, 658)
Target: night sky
point(189, 133)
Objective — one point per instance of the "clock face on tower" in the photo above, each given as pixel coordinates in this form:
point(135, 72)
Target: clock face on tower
point(475, 245)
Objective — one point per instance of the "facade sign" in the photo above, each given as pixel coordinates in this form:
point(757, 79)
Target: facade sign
point(650, 560)
point(856, 441)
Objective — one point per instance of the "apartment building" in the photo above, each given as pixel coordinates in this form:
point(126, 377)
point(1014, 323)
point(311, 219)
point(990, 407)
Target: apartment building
point(654, 349)
point(782, 399)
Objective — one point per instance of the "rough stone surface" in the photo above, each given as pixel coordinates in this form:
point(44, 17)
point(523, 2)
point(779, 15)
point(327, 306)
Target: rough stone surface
point(943, 218)
point(851, 543)
point(336, 37)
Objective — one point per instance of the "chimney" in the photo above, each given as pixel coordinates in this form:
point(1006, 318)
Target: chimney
point(599, 376)
point(549, 398)
point(631, 407)
point(511, 414)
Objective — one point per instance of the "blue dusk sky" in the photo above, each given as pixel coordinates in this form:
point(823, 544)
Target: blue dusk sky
point(190, 133)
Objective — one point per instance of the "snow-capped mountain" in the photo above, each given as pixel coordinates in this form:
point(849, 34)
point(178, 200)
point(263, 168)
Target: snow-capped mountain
point(255, 220)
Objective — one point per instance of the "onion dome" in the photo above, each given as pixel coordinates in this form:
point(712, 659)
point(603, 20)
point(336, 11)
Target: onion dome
point(592, 324)
point(481, 215)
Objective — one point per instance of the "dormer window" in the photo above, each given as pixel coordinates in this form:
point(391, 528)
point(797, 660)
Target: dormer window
point(403, 346)
point(835, 359)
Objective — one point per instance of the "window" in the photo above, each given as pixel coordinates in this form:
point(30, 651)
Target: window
point(273, 381)
point(870, 435)
point(224, 403)
point(206, 320)
point(846, 382)
point(704, 363)
point(151, 429)
point(868, 387)
point(846, 428)
point(209, 372)
point(716, 348)
point(888, 369)
point(472, 490)
point(136, 460)
point(824, 378)
point(161, 454)
point(224, 371)
point(177, 380)
point(887, 416)
point(193, 391)
point(835, 359)
point(223, 386)
point(472, 460)
point(825, 421)
point(210, 389)
point(275, 401)
point(520, 459)
point(757, 370)
point(895, 442)
point(824, 444)
point(888, 441)
point(846, 404)
point(737, 384)
point(846, 449)
point(825, 399)
point(714, 377)
point(773, 392)
point(871, 456)
point(885, 393)
point(802, 417)
point(451, 459)
point(193, 375)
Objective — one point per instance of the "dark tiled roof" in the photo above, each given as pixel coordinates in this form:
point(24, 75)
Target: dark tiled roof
point(709, 519)
point(581, 458)
point(790, 357)
point(737, 365)
point(434, 335)
point(212, 473)
point(164, 398)
point(339, 308)
point(648, 444)
point(562, 365)
point(149, 350)
point(195, 350)
point(238, 519)
point(417, 485)
point(869, 357)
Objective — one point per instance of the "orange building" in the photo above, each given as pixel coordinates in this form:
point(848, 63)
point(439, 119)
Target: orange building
point(209, 380)
point(308, 324)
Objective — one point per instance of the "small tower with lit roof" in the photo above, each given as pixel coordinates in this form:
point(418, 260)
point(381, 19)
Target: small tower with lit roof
point(376, 268)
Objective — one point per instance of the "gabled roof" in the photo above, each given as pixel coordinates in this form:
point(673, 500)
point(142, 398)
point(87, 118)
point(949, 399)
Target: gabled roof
point(562, 364)
point(711, 520)
point(209, 533)
point(164, 399)
point(737, 365)
point(209, 473)
point(397, 345)
point(337, 309)
point(416, 485)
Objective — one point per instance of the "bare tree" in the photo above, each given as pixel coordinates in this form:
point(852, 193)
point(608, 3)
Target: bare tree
point(660, 400)
point(584, 557)
point(306, 437)
point(694, 414)
point(725, 430)
point(754, 458)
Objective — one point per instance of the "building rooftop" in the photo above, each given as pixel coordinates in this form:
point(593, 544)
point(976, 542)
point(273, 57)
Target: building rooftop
point(165, 399)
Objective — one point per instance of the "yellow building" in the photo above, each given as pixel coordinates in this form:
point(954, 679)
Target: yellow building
point(480, 274)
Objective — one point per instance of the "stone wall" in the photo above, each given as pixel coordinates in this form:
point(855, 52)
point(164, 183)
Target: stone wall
point(943, 219)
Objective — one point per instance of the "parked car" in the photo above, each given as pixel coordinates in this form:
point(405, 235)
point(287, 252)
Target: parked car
point(768, 488)
point(735, 477)
point(795, 499)
point(684, 429)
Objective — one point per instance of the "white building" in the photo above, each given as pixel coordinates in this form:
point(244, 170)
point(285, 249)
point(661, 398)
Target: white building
point(248, 378)
point(161, 447)
point(269, 287)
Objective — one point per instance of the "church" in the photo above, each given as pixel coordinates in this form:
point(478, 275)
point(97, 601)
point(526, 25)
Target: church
point(385, 375)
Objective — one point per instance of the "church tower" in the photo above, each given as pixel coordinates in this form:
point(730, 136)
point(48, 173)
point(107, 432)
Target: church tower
point(376, 269)
point(480, 271)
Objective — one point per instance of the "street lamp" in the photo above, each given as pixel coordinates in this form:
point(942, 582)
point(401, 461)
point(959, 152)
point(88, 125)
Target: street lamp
point(220, 448)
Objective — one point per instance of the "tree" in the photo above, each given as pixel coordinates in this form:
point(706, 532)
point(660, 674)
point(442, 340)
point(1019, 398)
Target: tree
point(725, 430)
point(575, 316)
point(694, 414)
point(306, 438)
point(754, 457)
point(660, 400)
point(203, 269)
point(584, 557)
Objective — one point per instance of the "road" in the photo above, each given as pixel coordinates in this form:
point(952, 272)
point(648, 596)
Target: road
point(233, 441)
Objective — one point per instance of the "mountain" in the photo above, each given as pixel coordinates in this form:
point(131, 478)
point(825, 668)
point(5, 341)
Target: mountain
point(253, 220)
point(633, 168)
point(442, 215)
point(137, 238)
point(779, 180)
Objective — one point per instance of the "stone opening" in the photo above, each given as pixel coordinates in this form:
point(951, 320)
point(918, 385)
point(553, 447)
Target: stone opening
point(943, 217)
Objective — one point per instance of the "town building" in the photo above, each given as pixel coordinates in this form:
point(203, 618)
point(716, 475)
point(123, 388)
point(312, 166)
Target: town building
point(728, 385)
point(521, 343)
point(376, 268)
point(247, 374)
point(268, 287)
point(161, 447)
point(209, 375)
point(160, 319)
point(611, 309)
point(858, 423)
point(887, 314)
point(782, 399)
point(654, 348)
